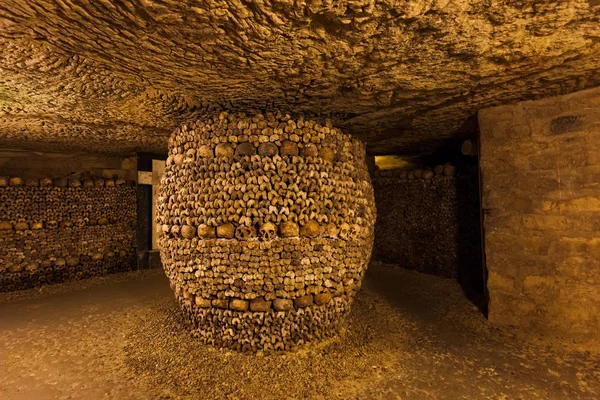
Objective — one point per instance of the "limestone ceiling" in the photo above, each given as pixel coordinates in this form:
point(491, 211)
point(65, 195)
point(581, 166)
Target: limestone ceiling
point(116, 76)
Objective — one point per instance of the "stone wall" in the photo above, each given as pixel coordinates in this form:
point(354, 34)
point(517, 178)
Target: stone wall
point(56, 230)
point(540, 166)
point(429, 221)
point(266, 228)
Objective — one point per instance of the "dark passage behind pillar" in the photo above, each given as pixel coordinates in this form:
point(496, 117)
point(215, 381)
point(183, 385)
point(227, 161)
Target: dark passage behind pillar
point(431, 225)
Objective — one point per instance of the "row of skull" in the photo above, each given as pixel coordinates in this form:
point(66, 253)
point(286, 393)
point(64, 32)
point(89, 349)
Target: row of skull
point(63, 182)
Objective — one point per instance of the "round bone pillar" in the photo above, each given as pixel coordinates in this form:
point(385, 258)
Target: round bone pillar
point(266, 228)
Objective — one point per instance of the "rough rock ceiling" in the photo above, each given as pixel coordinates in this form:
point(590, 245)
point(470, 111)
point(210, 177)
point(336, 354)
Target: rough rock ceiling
point(117, 75)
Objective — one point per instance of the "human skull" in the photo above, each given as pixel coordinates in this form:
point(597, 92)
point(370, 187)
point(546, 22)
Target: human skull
point(61, 182)
point(245, 149)
point(310, 150)
point(206, 232)
point(245, 232)
point(16, 181)
point(21, 226)
point(289, 148)
point(188, 231)
point(205, 151)
point(345, 231)
point(267, 231)
point(356, 230)
point(72, 261)
point(223, 150)
point(52, 224)
point(190, 156)
point(331, 230)
point(32, 182)
point(289, 229)
point(327, 153)
point(226, 231)
point(46, 182)
point(37, 225)
point(310, 228)
point(268, 149)
point(32, 267)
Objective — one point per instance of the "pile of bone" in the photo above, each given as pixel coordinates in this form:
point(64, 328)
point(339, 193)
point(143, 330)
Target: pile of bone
point(35, 271)
point(425, 174)
point(264, 214)
point(34, 204)
point(261, 328)
point(51, 231)
point(64, 182)
point(414, 214)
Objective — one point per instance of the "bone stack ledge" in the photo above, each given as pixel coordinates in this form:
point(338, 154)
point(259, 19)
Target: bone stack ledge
point(55, 230)
point(266, 228)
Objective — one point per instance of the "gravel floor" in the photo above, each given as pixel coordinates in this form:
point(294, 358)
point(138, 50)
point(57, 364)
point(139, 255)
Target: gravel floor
point(409, 336)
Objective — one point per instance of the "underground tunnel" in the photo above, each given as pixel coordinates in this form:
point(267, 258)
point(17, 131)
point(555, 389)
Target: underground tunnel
point(264, 200)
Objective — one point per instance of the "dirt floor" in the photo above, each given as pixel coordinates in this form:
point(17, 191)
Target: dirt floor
point(409, 336)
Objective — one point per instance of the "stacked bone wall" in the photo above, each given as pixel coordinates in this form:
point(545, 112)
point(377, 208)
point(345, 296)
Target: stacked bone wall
point(57, 230)
point(429, 221)
point(266, 228)
point(540, 167)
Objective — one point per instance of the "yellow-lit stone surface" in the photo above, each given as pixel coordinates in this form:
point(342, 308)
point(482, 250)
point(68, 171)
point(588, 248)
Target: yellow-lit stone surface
point(542, 213)
point(118, 76)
